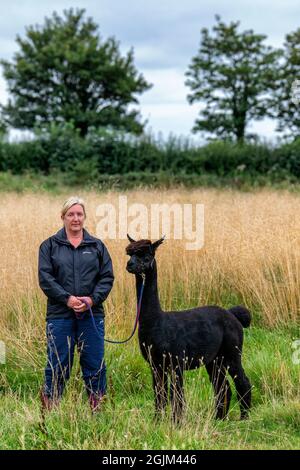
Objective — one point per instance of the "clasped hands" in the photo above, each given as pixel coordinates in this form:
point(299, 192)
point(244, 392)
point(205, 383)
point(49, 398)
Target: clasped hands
point(78, 304)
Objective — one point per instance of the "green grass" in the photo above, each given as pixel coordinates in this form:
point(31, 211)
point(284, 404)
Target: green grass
point(58, 182)
point(126, 420)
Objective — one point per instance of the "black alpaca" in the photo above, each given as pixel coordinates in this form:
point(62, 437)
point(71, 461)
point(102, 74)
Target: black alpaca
point(176, 341)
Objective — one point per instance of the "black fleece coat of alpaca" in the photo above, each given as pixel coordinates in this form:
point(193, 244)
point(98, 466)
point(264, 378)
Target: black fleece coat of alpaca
point(173, 342)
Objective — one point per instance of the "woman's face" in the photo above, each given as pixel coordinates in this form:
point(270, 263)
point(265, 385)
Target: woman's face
point(74, 218)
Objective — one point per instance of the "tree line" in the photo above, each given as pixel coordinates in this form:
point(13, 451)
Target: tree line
point(79, 96)
point(65, 72)
point(145, 159)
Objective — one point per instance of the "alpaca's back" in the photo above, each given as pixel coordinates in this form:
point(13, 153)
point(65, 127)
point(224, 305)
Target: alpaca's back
point(195, 336)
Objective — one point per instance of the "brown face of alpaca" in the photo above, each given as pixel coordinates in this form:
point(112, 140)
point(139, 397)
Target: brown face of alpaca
point(141, 254)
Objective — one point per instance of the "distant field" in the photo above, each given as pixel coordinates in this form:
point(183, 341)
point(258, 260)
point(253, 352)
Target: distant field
point(251, 255)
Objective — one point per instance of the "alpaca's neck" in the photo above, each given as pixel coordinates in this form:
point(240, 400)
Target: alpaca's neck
point(150, 306)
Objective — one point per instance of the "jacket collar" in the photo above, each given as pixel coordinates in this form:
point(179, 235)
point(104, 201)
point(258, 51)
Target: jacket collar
point(61, 237)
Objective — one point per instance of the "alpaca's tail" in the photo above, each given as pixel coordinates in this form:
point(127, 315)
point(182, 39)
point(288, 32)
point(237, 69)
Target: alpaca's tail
point(242, 314)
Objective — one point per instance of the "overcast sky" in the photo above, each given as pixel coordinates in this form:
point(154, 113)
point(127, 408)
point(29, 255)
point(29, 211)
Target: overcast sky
point(165, 35)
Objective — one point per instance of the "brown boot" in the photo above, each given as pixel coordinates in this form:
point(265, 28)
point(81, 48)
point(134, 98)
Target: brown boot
point(96, 402)
point(47, 402)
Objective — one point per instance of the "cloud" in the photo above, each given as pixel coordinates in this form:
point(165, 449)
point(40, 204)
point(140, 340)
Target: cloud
point(168, 86)
point(165, 106)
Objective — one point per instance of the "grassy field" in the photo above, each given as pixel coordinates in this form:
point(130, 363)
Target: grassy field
point(251, 255)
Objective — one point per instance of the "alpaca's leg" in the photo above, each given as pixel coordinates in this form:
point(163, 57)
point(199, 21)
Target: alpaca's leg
point(160, 387)
point(242, 385)
point(217, 376)
point(177, 394)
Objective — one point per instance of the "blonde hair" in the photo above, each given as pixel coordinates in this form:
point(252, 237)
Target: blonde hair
point(71, 202)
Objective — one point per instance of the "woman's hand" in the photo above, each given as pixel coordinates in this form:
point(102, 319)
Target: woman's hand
point(83, 307)
point(74, 302)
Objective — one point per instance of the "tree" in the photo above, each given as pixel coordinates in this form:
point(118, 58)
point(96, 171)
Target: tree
point(232, 74)
point(3, 127)
point(64, 72)
point(287, 95)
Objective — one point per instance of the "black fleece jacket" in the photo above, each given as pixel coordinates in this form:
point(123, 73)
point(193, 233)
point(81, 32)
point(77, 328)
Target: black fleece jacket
point(83, 271)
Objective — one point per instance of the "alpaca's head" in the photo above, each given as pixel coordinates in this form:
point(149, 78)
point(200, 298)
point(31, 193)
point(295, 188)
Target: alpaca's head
point(142, 253)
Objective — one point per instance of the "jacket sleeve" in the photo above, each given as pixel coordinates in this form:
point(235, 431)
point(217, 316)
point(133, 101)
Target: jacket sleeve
point(47, 281)
point(106, 278)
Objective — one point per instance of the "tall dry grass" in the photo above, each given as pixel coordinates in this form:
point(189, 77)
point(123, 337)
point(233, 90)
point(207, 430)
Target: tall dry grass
point(251, 255)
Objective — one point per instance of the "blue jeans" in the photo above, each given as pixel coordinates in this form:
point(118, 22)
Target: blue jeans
point(62, 335)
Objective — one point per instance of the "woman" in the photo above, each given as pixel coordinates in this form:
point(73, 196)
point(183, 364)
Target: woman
point(74, 269)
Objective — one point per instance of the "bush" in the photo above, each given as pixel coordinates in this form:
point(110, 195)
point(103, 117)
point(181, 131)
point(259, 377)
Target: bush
point(287, 157)
point(103, 152)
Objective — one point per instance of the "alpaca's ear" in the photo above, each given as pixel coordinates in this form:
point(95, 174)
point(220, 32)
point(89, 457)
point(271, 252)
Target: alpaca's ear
point(156, 244)
point(130, 239)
